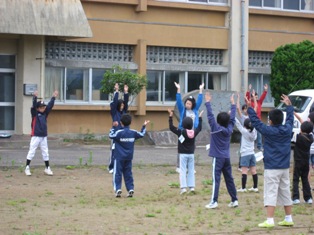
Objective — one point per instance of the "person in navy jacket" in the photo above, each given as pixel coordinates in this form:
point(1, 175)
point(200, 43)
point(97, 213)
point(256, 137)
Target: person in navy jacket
point(124, 149)
point(118, 107)
point(39, 132)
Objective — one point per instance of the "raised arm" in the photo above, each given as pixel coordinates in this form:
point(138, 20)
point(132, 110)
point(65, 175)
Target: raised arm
point(178, 98)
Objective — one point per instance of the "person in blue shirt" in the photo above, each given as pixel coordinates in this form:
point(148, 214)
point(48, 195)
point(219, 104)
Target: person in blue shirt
point(124, 148)
point(220, 151)
point(118, 107)
point(277, 149)
point(39, 132)
point(188, 109)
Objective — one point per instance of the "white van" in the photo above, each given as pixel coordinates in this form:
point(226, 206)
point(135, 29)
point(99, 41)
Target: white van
point(302, 101)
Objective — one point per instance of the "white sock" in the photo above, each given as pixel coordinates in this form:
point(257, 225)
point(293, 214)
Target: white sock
point(288, 218)
point(270, 220)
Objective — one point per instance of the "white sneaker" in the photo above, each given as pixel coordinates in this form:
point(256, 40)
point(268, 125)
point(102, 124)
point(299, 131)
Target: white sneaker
point(118, 193)
point(296, 201)
point(111, 171)
point(178, 170)
point(183, 191)
point(242, 190)
point(310, 201)
point(130, 193)
point(48, 171)
point(27, 171)
point(212, 205)
point(255, 190)
point(233, 204)
point(192, 190)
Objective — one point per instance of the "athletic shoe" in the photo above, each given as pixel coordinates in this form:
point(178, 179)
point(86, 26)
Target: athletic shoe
point(233, 204)
point(130, 193)
point(48, 171)
point(192, 190)
point(111, 171)
point(118, 193)
point(296, 201)
point(310, 201)
point(265, 224)
point(178, 170)
point(255, 190)
point(239, 169)
point(27, 171)
point(183, 191)
point(286, 223)
point(212, 205)
point(242, 190)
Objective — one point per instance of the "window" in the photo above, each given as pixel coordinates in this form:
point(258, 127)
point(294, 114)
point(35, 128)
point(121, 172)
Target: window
point(258, 81)
point(291, 5)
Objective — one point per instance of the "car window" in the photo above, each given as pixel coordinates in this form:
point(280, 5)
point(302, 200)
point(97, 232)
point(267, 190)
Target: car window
point(299, 103)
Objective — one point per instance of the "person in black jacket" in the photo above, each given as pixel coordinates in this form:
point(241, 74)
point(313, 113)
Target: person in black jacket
point(39, 131)
point(301, 163)
point(186, 148)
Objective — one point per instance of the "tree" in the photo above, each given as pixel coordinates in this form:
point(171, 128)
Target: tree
point(292, 68)
point(135, 81)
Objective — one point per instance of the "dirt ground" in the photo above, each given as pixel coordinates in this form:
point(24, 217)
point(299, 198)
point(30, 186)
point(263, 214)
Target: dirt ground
point(80, 200)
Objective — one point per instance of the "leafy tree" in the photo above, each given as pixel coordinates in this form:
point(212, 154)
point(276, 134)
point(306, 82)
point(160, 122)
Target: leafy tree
point(135, 81)
point(292, 68)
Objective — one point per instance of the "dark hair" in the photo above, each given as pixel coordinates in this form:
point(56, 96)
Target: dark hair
point(126, 119)
point(120, 102)
point(244, 106)
point(223, 119)
point(255, 94)
point(187, 123)
point(248, 125)
point(276, 116)
point(307, 127)
point(311, 117)
point(191, 98)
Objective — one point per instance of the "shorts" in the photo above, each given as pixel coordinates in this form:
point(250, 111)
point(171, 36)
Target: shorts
point(248, 160)
point(277, 187)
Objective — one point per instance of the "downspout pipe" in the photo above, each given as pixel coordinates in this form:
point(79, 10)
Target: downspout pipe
point(242, 71)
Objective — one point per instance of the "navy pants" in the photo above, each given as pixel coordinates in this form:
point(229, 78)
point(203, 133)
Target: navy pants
point(122, 168)
point(301, 170)
point(223, 165)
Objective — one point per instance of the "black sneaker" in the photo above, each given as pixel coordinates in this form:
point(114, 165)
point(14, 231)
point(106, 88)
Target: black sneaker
point(118, 193)
point(130, 193)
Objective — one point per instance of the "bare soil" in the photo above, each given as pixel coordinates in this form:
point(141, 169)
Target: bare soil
point(81, 200)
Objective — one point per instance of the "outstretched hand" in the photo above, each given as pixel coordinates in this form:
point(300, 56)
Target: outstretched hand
point(146, 122)
point(266, 87)
point(247, 101)
point(208, 97)
point(55, 93)
point(200, 113)
point(202, 86)
point(170, 112)
point(232, 98)
point(35, 93)
point(285, 99)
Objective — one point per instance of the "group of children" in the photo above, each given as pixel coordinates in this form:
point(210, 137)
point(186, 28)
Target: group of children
point(276, 148)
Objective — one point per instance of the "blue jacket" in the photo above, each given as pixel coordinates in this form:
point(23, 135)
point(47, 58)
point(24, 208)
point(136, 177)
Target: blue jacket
point(115, 112)
point(276, 140)
point(220, 135)
point(39, 120)
point(124, 141)
point(182, 109)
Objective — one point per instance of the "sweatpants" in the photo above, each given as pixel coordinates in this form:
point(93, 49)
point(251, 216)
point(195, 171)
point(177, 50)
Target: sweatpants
point(223, 165)
point(301, 170)
point(122, 168)
point(42, 143)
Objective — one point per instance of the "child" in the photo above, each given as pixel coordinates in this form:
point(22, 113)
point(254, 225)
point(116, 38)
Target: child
point(258, 109)
point(220, 151)
point(39, 112)
point(118, 107)
point(276, 161)
point(301, 163)
point(186, 148)
point(189, 109)
point(248, 160)
point(124, 148)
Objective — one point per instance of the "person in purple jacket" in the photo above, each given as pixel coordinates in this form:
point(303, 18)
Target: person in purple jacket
point(220, 151)
point(277, 150)
point(39, 131)
point(124, 148)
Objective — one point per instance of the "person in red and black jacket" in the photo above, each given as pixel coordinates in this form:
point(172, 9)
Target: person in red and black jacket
point(39, 131)
point(260, 100)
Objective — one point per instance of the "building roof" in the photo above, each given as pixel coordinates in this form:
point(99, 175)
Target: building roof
point(65, 18)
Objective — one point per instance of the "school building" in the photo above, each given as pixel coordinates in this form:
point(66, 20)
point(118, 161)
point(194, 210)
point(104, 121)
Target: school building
point(67, 45)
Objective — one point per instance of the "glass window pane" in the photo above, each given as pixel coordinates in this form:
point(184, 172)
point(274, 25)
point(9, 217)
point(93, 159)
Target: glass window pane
point(258, 81)
point(7, 61)
point(77, 84)
point(170, 88)
point(154, 86)
point(54, 80)
point(269, 3)
point(97, 77)
point(255, 3)
point(291, 4)
point(7, 118)
point(195, 80)
point(7, 87)
point(307, 5)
